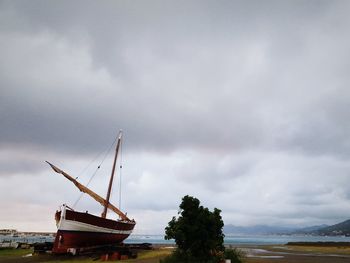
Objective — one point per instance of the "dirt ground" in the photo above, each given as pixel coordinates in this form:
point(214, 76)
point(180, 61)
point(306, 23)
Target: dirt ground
point(300, 259)
point(293, 254)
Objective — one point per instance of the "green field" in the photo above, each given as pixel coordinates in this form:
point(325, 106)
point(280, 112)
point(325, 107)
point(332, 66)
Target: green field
point(19, 255)
point(288, 254)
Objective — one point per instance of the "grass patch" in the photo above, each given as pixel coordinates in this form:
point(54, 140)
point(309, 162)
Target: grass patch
point(10, 252)
point(16, 255)
point(235, 255)
point(143, 255)
point(70, 260)
point(150, 256)
point(320, 249)
point(154, 253)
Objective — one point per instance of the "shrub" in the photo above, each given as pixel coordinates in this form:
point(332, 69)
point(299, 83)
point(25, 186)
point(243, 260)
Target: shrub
point(236, 255)
point(197, 231)
point(198, 235)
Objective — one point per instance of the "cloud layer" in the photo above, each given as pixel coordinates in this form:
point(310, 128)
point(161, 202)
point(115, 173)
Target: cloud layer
point(244, 105)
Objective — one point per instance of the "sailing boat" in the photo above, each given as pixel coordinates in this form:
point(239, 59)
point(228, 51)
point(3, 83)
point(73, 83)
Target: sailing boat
point(76, 230)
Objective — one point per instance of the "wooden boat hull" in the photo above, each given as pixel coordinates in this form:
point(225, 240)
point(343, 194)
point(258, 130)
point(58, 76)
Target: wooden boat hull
point(81, 230)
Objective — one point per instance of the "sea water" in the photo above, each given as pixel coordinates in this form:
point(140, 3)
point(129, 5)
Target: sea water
point(229, 240)
point(245, 240)
point(27, 239)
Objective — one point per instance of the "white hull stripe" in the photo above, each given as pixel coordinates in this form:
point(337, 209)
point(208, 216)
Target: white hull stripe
point(70, 225)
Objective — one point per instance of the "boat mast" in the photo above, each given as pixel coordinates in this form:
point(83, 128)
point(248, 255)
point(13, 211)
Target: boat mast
point(104, 213)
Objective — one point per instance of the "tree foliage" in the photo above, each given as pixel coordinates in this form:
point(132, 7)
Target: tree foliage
point(197, 231)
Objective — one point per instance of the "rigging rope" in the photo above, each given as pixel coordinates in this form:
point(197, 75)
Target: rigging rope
point(98, 167)
point(81, 195)
point(96, 157)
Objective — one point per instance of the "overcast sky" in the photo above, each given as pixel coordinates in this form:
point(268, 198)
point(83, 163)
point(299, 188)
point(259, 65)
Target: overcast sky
point(242, 104)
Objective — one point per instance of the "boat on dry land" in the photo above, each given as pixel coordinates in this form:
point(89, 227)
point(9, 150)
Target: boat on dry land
point(79, 230)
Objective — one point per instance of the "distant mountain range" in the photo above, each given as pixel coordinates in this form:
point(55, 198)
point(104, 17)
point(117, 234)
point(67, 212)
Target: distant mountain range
point(340, 229)
point(256, 230)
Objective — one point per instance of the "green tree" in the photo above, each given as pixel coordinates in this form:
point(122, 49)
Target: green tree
point(197, 232)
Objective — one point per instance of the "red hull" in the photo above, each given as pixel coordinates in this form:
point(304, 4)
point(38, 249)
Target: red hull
point(81, 230)
point(67, 239)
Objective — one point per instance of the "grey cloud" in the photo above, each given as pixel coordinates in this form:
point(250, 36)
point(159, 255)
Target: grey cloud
point(183, 80)
point(245, 99)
